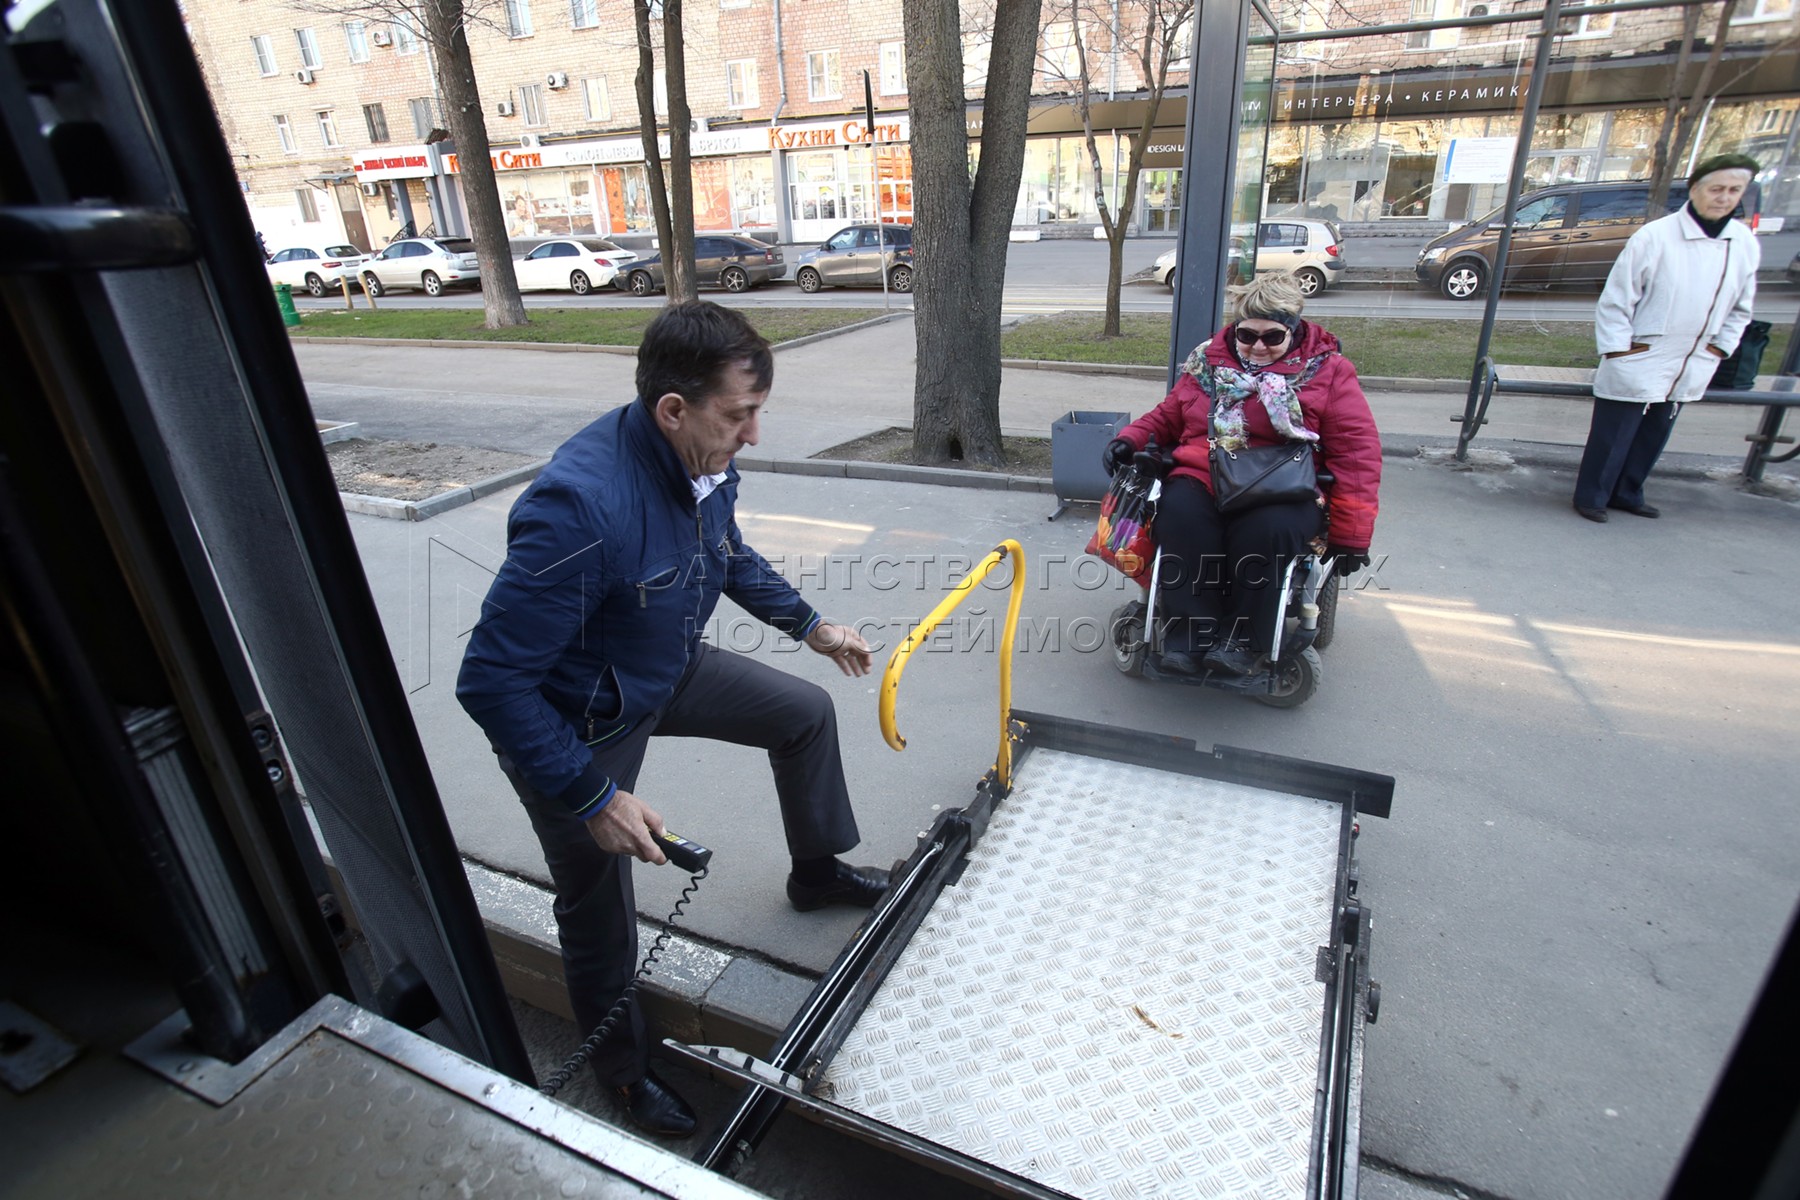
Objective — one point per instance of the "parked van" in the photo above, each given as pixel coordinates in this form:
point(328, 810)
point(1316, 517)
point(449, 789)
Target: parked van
point(1565, 234)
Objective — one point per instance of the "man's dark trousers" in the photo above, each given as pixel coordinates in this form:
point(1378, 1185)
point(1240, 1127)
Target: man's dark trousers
point(723, 696)
point(1624, 442)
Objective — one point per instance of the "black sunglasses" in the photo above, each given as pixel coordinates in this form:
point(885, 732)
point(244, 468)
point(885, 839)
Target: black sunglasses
point(1268, 337)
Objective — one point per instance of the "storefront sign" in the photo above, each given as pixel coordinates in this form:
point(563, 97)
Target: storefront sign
point(624, 150)
point(1379, 95)
point(1480, 160)
point(398, 162)
point(851, 132)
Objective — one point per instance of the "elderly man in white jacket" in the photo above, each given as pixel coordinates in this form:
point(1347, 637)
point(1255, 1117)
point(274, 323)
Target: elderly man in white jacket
point(1675, 304)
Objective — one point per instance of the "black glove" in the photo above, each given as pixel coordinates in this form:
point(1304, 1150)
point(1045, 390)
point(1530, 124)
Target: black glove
point(1118, 452)
point(1349, 560)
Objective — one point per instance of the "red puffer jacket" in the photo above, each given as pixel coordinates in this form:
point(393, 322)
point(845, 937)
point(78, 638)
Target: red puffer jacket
point(1333, 405)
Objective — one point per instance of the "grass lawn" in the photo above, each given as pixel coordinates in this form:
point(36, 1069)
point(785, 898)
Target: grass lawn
point(584, 326)
point(1399, 347)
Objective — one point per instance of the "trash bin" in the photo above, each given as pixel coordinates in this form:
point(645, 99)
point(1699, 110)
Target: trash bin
point(1076, 440)
point(284, 300)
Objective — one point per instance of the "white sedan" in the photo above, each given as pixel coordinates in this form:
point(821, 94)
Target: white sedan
point(316, 269)
point(579, 264)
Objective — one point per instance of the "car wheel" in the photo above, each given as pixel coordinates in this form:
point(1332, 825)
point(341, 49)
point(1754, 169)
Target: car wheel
point(433, 285)
point(1311, 281)
point(640, 283)
point(374, 286)
point(580, 284)
point(901, 278)
point(1463, 279)
point(809, 280)
point(314, 285)
point(734, 279)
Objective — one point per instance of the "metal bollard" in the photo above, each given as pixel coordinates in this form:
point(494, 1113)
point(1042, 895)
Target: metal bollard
point(284, 300)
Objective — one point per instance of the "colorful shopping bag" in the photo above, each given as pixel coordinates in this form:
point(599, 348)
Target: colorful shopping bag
point(1124, 538)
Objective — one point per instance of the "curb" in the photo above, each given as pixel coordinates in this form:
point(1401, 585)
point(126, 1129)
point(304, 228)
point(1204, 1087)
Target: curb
point(897, 473)
point(573, 347)
point(424, 510)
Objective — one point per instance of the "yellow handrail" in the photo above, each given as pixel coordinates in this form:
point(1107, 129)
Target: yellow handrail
point(890, 679)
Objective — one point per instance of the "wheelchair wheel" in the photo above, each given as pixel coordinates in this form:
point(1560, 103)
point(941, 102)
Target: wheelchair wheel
point(1328, 606)
point(1296, 679)
point(1127, 628)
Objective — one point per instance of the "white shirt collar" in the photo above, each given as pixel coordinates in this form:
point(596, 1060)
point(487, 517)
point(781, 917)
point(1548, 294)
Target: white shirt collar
point(705, 485)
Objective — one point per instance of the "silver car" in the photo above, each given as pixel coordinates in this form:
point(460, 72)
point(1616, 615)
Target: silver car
point(429, 264)
point(1312, 251)
point(854, 257)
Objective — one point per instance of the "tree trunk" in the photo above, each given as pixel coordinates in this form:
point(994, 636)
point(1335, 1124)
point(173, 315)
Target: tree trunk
point(961, 227)
point(678, 260)
point(462, 110)
point(1680, 117)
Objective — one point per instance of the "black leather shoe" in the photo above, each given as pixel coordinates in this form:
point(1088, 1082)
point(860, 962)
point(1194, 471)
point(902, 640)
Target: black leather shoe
point(1178, 662)
point(859, 887)
point(654, 1107)
point(1233, 658)
point(1638, 510)
point(1592, 514)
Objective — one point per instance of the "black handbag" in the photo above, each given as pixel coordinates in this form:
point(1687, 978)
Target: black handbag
point(1738, 373)
point(1259, 475)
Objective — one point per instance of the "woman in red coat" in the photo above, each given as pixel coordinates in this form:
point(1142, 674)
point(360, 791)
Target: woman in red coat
point(1265, 379)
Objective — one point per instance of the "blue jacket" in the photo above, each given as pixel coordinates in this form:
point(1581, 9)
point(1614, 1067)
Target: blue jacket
point(612, 571)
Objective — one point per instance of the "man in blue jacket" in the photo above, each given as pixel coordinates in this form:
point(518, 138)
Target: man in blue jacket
point(589, 643)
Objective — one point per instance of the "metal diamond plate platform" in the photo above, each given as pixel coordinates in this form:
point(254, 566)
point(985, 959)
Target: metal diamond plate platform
point(1117, 999)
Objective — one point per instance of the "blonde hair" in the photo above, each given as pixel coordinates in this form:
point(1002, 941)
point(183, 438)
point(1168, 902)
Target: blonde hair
point(1268, 297)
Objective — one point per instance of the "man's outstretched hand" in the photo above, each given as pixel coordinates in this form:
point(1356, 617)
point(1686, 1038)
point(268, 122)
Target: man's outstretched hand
point(628, 826)
point(844, 646)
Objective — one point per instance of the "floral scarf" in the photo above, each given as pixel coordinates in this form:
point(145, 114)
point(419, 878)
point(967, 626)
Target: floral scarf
point(1229, 388)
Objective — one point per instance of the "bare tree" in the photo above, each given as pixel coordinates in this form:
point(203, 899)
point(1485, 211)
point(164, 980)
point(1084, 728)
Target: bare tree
point(1151, 48)
point(444, 25)
point(962, 219)
point(672, 203)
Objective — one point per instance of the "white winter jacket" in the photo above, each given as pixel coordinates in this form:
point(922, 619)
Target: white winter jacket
point(1674, 291)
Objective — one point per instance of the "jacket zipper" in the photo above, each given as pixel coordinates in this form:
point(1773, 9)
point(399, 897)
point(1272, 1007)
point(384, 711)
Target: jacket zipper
point(1723, 272)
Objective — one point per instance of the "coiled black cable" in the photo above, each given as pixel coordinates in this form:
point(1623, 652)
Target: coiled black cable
point(591, 1046)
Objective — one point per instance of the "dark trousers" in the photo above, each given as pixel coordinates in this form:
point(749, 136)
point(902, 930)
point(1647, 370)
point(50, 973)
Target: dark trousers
point(1624, 442)
point(726, 697)
point(1221, 574)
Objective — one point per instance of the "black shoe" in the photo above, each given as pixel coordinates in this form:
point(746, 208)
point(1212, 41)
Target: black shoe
point(1233, 658)
point(1637, 510)
point(1592, 514)
point(859, 887)
point(1178, 662)
point(654, 1107)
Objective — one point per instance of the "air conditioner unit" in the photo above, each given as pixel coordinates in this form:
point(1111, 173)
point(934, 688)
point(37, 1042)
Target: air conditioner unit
point(556, 81)
point(504, 108)
point(530, 141)
point(697, 125)
point(1478, 10)
point(382, 37)
point(371, 189)
point(304, 76)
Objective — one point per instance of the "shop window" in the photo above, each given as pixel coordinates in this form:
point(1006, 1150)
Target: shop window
point(584, 14)
point(375, 117)
point(356, 41)
point(328, 130)
point(309, 207)
point(423, 123)
point(265, 55)
point(823, 79)
point(893, 68)
point(595, 101)
point(406, 34)
point(740, 83)
point(284, 130)
point(309, 48)
point(531, 104)
point(518, 18)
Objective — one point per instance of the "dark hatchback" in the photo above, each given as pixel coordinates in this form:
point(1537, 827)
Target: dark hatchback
point(720, 260)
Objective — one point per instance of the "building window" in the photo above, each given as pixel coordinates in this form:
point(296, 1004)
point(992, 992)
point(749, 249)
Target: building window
point(518, 18)
point(1061, 57)
point(893, 68)
point(823, 81)
point(584, 14)
point(375, 117)
point(328, 132)
point(1763, 10)
point(309, 207)
point(1181, 50)
point(265, 55)
point(356, 40)
point(406, 34)
point(531, 104)
point(734, 3)
point(740, 83)
point(594, 100)
point(284, 130)
point(659, 92)
point(309, 48)
point(1588, 25)
point(1434, 10)
point(423, 122)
